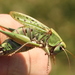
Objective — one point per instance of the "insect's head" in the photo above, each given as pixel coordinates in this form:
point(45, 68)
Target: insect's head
point(59, 48)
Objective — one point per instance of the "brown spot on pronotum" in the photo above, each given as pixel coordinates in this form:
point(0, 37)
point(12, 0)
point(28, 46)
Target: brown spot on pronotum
point(26, 30)
point(17, 18)
point(32, 20)
point(49, 32)
point(26, 17)
point(31, 30)
point(24, 20)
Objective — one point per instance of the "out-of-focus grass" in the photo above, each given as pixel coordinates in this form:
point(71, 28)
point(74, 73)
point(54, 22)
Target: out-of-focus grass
point(56, 14)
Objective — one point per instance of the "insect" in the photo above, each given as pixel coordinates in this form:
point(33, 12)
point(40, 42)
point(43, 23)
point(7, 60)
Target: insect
point(32, 34)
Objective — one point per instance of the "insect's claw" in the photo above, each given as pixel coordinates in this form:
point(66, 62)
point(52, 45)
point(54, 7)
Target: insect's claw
point(47, 54)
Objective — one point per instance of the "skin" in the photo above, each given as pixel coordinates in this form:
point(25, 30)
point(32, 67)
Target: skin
point(32, 62)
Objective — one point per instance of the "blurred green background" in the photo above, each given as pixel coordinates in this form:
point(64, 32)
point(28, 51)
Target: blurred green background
point(57, 14)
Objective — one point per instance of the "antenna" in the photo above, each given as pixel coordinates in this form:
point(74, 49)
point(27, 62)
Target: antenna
point(70, 53)
point(66, 55)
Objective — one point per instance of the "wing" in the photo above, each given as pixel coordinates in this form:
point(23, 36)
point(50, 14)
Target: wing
point(29, 21)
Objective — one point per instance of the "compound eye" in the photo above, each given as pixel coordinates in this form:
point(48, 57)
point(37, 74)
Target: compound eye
point(62, 48)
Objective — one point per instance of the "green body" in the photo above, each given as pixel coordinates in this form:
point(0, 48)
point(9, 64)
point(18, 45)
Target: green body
point(33, 33)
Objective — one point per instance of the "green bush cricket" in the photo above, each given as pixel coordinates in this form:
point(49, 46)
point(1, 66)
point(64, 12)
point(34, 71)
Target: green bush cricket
point(32, 34)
